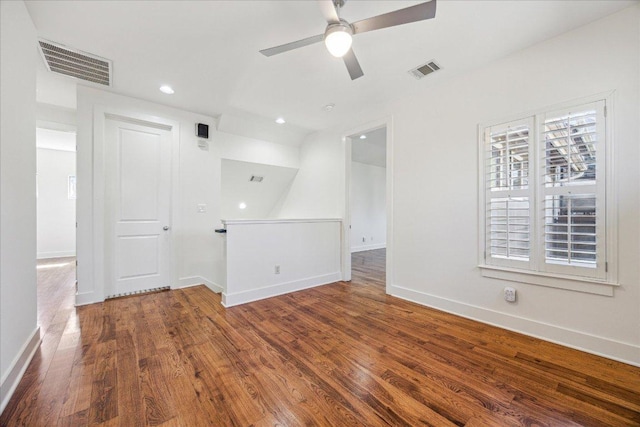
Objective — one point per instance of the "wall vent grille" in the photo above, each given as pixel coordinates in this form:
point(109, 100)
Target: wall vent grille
point(424, 69)
point(74, 63)
point(144, 291)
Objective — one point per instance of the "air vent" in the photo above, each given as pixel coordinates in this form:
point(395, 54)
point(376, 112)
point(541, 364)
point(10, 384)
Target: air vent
point(255, 178)
point(424, 70)
point(74, 63)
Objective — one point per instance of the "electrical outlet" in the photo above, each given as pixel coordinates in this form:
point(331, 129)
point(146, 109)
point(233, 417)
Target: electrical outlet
point(276, 270)
point(510, 294)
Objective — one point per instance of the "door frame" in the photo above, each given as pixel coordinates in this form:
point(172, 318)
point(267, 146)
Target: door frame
point(100, 115)
point(346, 218)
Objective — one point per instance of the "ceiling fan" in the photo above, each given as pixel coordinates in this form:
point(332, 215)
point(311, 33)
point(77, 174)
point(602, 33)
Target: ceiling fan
point(338, 34)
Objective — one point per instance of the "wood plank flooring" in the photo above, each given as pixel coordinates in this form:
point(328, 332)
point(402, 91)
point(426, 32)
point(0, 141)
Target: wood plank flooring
point(343, 354)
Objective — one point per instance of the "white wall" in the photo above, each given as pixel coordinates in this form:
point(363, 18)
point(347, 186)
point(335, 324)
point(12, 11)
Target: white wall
point(19, 333)
point(56, 234)
point(199, 251)
point(306, 251)
point(435, 239)
point(260, 199)
point(236, 147)
point(318, 189)
point(436, 226)
point(368, 207)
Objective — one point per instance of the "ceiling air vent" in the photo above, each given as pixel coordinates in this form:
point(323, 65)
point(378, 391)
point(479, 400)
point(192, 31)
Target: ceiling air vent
point(424, 70)
point(255, 178)
point(74, 63)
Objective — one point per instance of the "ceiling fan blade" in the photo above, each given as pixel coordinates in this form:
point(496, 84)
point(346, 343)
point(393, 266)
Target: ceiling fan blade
point(329, 11)
point(353, 66)
point(415, 13)
point(293, 45)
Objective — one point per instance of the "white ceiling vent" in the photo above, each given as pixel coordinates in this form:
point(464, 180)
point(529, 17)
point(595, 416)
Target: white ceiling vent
point(74, 63)
point(424, 70)
point(256, 178)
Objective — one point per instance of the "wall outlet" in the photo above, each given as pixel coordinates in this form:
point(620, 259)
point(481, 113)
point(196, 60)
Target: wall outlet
point(202, 208)
point(276, 270)
point(510, 294)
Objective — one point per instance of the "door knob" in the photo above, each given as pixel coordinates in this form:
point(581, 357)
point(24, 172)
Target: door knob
point(165, 228)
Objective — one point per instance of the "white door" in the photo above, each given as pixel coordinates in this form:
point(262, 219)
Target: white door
point(137, 206)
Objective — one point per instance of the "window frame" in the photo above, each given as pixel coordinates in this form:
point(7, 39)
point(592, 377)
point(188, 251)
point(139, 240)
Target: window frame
point(600, 280)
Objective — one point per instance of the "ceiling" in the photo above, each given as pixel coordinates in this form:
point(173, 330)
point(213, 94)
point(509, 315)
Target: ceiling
point(371, 150)
point(208, 52)
point(55, 139)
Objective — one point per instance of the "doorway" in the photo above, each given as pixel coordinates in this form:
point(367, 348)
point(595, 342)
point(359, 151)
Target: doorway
point(368, 203)
point(56, 193)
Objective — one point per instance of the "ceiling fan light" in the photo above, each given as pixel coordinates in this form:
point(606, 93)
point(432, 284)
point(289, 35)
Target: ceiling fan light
point(338, 39)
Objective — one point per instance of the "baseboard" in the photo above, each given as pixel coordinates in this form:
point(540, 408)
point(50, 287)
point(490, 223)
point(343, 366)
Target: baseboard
point(187, 282)
point(58, 254)
point(611, 349)
point(229, 300)
point(86, 298)
point(368, 247)
point(18, 367)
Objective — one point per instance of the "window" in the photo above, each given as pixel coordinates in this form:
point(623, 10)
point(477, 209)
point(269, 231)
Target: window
point(544, 192)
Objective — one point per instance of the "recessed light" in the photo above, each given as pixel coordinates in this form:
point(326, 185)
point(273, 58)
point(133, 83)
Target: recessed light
point(363, 136)
point(280, 121)
point(167, 89)
point(242, 205)
point(328, 107)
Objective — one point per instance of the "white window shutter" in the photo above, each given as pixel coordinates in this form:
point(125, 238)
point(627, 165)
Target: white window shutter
point(508, 194)
point(572, 210)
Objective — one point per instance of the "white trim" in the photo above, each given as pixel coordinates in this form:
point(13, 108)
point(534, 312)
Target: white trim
point(600, 346)
point(389, 278)
point(56, 254)
point(346, 226)
point(188, 282)
point(16, 370)
point(551, 280)
point(229, 300)
point(86, 298)
point(277, 221)
point(368, 247)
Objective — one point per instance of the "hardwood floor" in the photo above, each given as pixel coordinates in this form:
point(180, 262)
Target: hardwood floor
point(341, 354)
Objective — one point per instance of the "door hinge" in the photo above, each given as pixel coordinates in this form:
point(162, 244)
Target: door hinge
point(605, 111)
point(606, 267)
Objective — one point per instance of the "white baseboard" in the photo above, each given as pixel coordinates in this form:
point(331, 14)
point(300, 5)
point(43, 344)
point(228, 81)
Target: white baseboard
point(58, 254)
point(87, 298)
point(187, 282)
point(229, 300)
point(368, 247)
point(18, 367)
point(611, 349)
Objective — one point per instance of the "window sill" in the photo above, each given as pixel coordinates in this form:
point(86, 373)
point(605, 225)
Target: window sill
point(572, 283)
